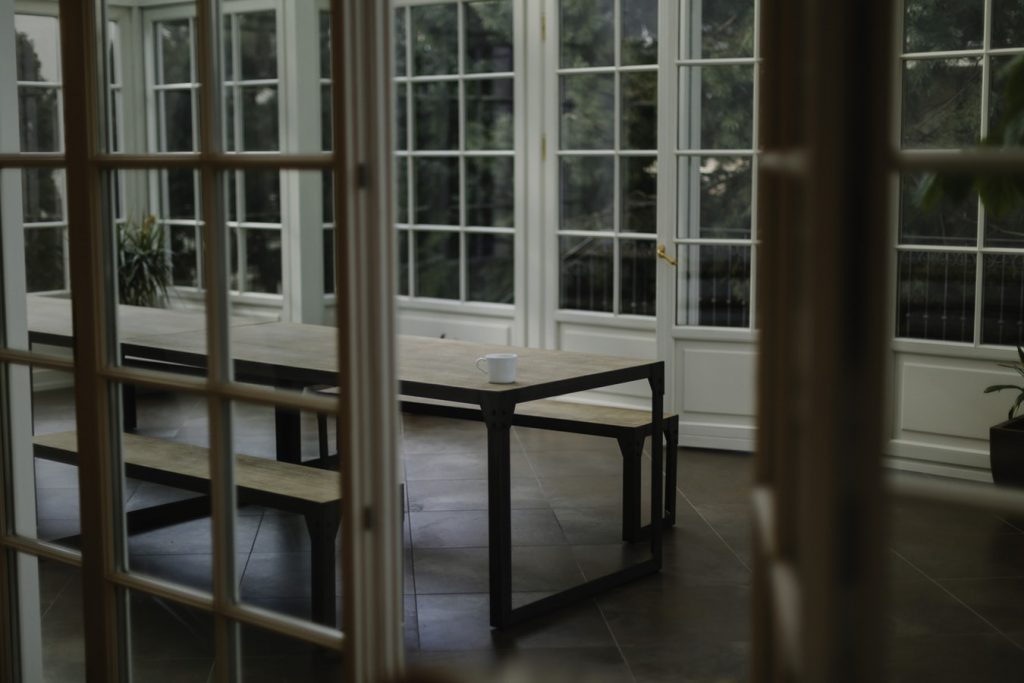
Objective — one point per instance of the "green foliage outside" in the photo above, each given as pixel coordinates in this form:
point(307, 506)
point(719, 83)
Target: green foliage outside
point(144, 270)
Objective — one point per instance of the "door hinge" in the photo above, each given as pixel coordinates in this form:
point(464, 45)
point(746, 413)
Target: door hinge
point(543, 147)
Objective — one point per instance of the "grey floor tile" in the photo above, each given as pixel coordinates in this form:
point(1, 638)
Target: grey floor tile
point(576, 463)
point(988, 555)
point(919, 608)
point(954, 659)
point(470, 494)
point(694, 661)
point(468, 528)
point(1000, 601)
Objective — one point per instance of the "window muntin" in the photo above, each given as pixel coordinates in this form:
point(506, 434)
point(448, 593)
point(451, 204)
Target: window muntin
point(455, 151)
point(716, 238)
point(607, 156)
point(958, 266)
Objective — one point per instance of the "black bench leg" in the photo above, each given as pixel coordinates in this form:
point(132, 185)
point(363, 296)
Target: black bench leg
point(321, 435)
point(128, 408)
point(632, 448)
point(323, 528)
point(671, 459)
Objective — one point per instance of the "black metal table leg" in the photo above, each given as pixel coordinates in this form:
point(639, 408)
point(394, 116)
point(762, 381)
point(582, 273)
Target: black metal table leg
point(657, 382)
point(323, 528)
point(631, 448)
point(288, 432)
point(498, 417)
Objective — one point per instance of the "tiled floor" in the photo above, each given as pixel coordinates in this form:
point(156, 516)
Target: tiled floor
point(957, 579)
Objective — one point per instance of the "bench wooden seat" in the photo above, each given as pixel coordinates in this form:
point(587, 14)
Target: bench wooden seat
point(309, 491)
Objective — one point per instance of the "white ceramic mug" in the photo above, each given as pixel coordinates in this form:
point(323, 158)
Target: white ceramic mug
point(501, 367)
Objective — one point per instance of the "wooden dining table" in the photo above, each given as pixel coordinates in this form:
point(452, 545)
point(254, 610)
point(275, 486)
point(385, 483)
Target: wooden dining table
point(296, 355)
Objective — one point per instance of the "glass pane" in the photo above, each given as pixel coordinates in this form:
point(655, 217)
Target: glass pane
point(437, 265)
point(436, 191)
point(489, 114)
point(587, 30)
point(1008, 23)
point(1002, 299)
point(931, 25)
point(181, 193)
point(935, 296)
point(42, 195)
point(402, 189)
point(328, 261)
point(588, 111)
point(177, 120)
point(586, 273)
point(488, 36)
point(726, 107)
point(436, 114)
point(1005, 229)
point(325, 44)
point(490, 191)
point(435, 42)
point(175, 51)
point(490, 259)
point(230, 95)
point(639, 202)
point(262, 195)
point(169, 641)
point(637, 272)
point(234, 234)
point(639, 32)
point(639, 110)
point(37, 48)
point(403, 262)
point(263, 261)
point(257, 40)
point(941, 102)
point(401, 68)
point(727, 29)
point(722, 188)
point(267, 656)
point(715, 285)
point(184, 255)
point(1001, 92)
point(44, 259)
point(949, 223)
point(328, 196)
point(227, 36)
point(587, 193)
point(53, 592)
point(39, 119)
point(401, 116)
point(259, 118)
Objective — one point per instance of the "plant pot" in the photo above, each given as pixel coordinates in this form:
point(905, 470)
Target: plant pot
point(1006, 452)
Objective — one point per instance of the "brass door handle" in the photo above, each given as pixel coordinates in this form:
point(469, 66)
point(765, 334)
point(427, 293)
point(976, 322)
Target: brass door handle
point(664, 255)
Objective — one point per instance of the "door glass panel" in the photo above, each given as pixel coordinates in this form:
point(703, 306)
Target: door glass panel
point(437, 114)
point(949, 223)
point(1002, 299)
point(437, 264)
point(489, 36)
point(639, 110)
point(726, 96)
point(1008, 29)
point(489, 197)
point(640, 31)
point(636, 265)
point(717, 278)
point(933, 25)
point(434, 44)
point(169, 641)
point(587, 33)
point(941, 102)
point(588, 104)
point(935, 295)
point(725, 28)
point(639, 201)
point(437, 191)
point(490, 257)
point(588, 192)
point(489, 114)
point(587, 273)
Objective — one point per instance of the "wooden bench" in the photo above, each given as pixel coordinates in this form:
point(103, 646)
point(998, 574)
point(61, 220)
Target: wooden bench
point(309, 491)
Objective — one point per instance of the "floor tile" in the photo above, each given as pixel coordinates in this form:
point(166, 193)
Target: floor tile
point(954, 659)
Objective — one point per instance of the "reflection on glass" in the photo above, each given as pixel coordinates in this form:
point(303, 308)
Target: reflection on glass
point(586, 273)
point(489, 258)
point(176, 113)
point(488, 36)
point(44, 259)
point(723, 194)
point(436, 191)
point(489, 113)
point(175, 51)
point(402, 189)
point(935, 295)
point(1002, 299)
point(941, 102)
point(262, 195)
point(637, 270)
point(639, 202)
point(1005, 229)
point(639, 110)
point(269, 656)
point(639, 32)
point(163, 632)
point(39, 119)
point(999, 80)
point(490, 191)
point(727, 29)
point(259, 120)
point(436, 114)
point(588, 105)
point(716, 285)
point(949, 223)
point(181, 193)
point(1008, 28)
point(37, 48)
point(434, 41)
point(263, 261)
point(326, 131)
point(401, 116)
point(587, 189)
point(403, 262)
point(727, 106)
point(329, 261)
point(587, 32)
point(437, 264)
point(401, 68)
point(42, 194)
point(327, 194)
point(932, 25)
point(184, 255)
point(258, 45)
point(59, 601)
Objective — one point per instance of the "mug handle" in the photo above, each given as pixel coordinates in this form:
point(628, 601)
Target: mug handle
point(478, 361)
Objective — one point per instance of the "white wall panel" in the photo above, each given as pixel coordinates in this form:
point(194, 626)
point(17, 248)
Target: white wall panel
point(946, 397)
point(611, 341)
point(717, 381)
point(475, 328)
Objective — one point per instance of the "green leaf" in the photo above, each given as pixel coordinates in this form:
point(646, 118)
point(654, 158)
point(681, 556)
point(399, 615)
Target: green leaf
point(1000, 387)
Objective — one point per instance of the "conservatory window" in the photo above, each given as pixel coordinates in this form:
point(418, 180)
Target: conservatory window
point(455, 156)
point(960, 268)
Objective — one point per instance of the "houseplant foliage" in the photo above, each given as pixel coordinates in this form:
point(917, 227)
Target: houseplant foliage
point(1006, 440)
point(143, 267)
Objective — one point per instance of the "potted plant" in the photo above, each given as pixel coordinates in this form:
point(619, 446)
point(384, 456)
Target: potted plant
point(143, 270)
point(1006, 439)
